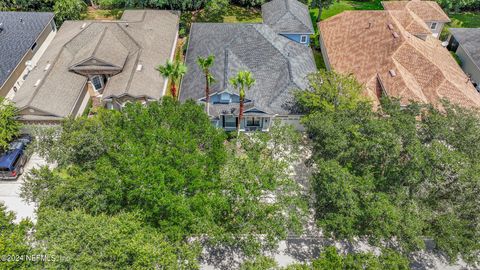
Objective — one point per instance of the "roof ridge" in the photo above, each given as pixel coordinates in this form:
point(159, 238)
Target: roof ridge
point(279, 17)
point(286, 57)
point(129, 84)
point(43, 78)
point(102, 35)
point(296, 17)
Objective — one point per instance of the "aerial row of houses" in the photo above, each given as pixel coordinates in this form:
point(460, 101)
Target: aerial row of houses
point(51, 75)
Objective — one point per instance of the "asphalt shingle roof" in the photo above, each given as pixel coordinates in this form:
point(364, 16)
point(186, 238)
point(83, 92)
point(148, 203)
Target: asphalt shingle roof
point(20, 30)
point(277, 63)
point(469, 38)
point(287, 16)
point(381, 53)
point(141, 37)
point(429, 11)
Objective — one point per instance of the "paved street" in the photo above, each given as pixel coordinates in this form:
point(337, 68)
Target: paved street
point(10, 192)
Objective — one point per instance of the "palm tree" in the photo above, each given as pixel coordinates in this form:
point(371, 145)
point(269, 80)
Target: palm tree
point(173, 71)
point(205, 63)
point(243, 81)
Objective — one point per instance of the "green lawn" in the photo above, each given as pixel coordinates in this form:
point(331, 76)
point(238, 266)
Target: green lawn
point(342, 5)
point(102, 14)
point(233, 14)
point(466, 20)
point(461, 20)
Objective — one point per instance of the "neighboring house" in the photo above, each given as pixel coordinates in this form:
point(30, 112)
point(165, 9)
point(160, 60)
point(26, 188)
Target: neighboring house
point(289, 18)
point(277, 63)
point(465, 42)
point(21, 35)
point(375, 47)
point(111, 61)
point(428, 11)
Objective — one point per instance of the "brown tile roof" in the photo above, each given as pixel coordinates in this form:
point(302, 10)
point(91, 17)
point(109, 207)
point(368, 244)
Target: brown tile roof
point(428, 11)
point(376, 48)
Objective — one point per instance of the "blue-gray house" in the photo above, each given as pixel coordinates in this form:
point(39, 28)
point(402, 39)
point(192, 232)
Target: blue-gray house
point(289, 18)
point(277, 54)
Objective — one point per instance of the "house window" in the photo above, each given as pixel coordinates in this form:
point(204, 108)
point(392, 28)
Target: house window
point(97, 82)
point(253, 121)
point(34, 46)
point(225, 98)
point(230, 121)
point(433, 26)
point(303, 39)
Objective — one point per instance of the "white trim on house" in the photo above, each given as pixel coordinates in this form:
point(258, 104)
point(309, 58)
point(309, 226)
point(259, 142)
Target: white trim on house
point(302, 37)
point(172, 54)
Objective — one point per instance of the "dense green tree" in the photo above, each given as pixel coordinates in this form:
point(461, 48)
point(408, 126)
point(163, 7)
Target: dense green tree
point(329, 91)
point(331, 259)
point(205, 63)
point(27, 5)
point(250, 3)
point(77, 240)
point(166, 162)
point(13, 240)
point(321, 5)
point(458, 5)
point(68, 10)
point(404, 173)
point(243, 81)
point(174, 71)
point(215, 9)
point(9, 126)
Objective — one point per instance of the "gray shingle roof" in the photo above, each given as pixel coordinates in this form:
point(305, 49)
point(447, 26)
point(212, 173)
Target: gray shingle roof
point(148, 40)
point(20, 30)
point(469, 38)
point(287, 16)
point(277, 63)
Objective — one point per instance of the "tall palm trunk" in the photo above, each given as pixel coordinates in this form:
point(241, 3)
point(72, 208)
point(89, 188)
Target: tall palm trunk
point(174, 91)
point(240, 114)
point(207, 92)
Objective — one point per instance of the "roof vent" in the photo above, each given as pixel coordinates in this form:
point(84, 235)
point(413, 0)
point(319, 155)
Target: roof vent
point(392, 73)
point(83, 25)
point(47, 67)
point(139, 67)
point(369, 25)
point(126, 24)
point(395, 35)
point(37, 83)
point(1, 27)
point(390, 26)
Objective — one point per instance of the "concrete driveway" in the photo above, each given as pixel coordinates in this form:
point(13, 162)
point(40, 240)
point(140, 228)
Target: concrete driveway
point(10, 192)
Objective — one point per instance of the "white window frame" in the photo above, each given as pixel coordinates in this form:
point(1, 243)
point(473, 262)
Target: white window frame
point(434, 26)
point(302, 37)
point(101, 82)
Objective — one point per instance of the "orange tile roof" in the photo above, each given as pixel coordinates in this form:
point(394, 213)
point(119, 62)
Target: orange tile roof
point(428, 11)
point(382, 54)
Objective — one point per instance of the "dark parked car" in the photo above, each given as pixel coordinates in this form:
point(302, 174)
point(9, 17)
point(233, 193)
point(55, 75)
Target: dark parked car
point(13, 160)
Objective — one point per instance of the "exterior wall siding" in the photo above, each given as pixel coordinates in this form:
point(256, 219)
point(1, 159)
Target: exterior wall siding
point(293, 120)
point(436, 32)
point(468, 65)
point(297, 38)
point(324, 53)
point(15, 75)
